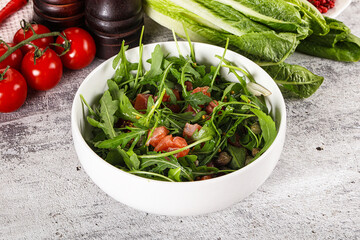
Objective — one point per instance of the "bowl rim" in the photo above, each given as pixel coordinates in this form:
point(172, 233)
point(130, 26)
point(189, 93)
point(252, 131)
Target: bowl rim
point(280, 131)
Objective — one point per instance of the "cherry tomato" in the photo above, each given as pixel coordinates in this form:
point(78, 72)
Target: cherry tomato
point(82, 48)
point(41, 42)
point(13, 90)
point(45, 73)
point(14, 60)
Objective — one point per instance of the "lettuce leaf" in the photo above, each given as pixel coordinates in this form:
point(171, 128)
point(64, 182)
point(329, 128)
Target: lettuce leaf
point(265, 47)
point(265, 31)
point(295, 79)
point(339, 44)
point(278, 15)
point(312, 16)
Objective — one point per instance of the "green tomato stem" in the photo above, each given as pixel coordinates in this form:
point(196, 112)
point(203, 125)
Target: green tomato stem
point(30, 39)
point(3, 73)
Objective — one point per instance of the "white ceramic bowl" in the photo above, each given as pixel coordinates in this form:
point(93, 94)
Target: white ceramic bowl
point(176, 198)
point(340, 6)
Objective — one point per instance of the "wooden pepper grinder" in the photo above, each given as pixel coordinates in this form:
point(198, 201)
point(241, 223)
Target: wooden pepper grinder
point(112, 21)
point(59, 14)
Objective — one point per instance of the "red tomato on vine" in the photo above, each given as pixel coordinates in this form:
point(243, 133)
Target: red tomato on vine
point(82, 48)
point(42, 69)
point(26, 32)
point(13, 90)
point(14, 60)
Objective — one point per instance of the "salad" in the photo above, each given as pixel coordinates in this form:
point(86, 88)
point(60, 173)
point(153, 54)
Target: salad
point(180, 120)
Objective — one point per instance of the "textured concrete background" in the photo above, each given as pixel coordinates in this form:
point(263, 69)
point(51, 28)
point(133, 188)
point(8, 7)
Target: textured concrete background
point(312, 194)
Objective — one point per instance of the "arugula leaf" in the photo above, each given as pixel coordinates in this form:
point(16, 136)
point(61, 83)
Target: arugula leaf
point(201, 69)
point(150, 175)
point(171, 94)
point(124, 68)
point(132, 162)
point(114, 157)
point(204, 170)
point(178, 61)
point(228, 90)
point(188, 69)
point(145, 121)
point(162, 164)
point(157, 57)
point(208, 148)
point(268, 129)
point(182, 79)
point(188, 117)
point(238, 156)
point(94, 122)
point(122, 139)
point(108, 107)
point(91, 111)
point(150, 104)
point(234, 126)
point(114, 89)
point(173, 125)
point(197, 99)
point(176, 74)
point(175, 174)
point(258, 101)
point(164, 75)
point(120, 56)
point(206, 79)
point(231, 68)
point(118, 157)
point(219, 65)
point(139, 71)
point(206, 131)
point(126, 109)
point(248, 141)
point(188, 161)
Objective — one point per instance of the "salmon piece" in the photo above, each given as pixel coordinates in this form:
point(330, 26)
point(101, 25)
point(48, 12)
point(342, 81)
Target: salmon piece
point(204, 90)
point(158, 134)
point(189, 129)
point(141, 101)
point(210, 107)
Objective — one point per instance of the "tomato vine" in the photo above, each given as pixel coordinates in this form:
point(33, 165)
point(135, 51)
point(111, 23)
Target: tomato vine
point(27, 25)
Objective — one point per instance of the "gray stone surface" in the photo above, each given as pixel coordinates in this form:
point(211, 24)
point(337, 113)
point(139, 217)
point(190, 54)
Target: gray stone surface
point(312, 194)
